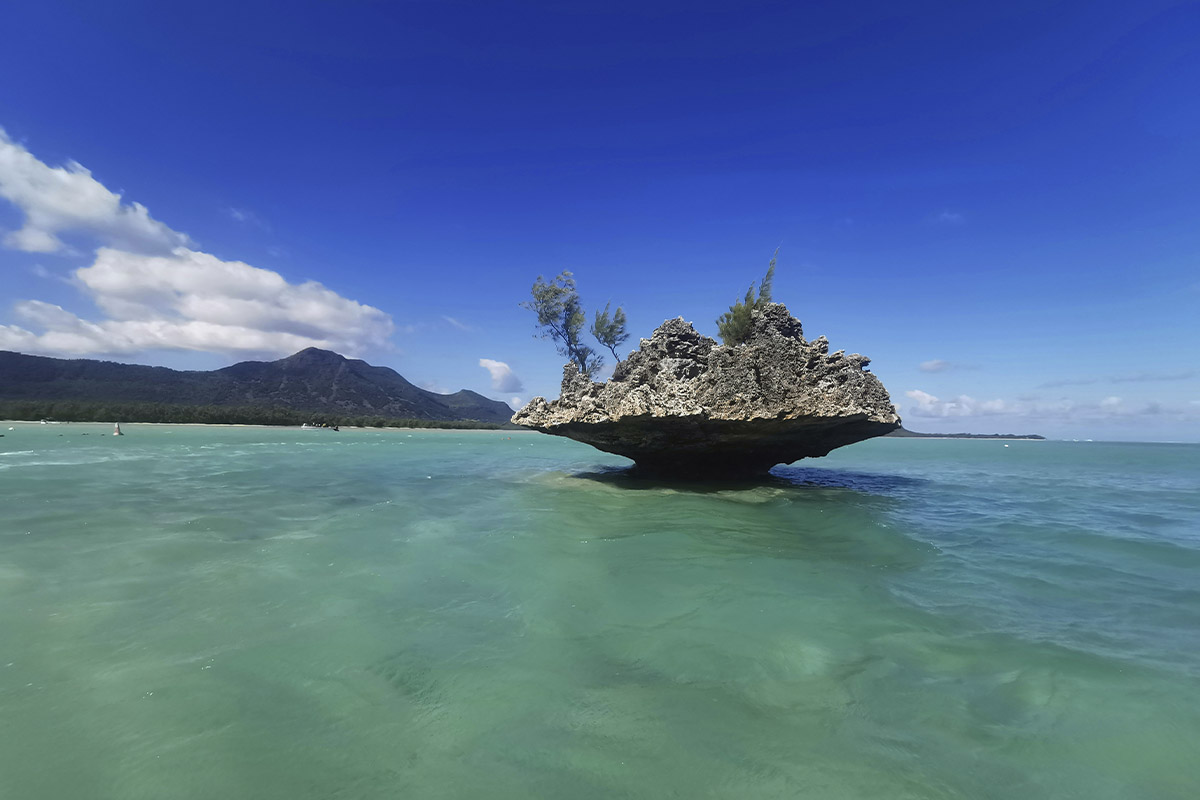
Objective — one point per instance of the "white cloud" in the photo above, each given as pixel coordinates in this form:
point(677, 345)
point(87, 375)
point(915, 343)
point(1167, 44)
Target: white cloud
point(158, 294)
point(949, 218)
point(195, 301)
point(928, 405)
point(503, 378)
point(516, 402)
point(67, 198)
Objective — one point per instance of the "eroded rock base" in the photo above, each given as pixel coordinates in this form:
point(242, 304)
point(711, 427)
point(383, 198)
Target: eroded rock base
point(719, 449)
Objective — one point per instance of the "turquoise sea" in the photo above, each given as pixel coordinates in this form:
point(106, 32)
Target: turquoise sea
point(265, 613)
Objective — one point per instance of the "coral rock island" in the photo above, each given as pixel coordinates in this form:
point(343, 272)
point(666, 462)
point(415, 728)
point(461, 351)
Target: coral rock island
point(683, 405)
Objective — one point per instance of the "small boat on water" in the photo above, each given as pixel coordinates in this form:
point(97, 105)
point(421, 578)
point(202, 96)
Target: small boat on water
point(117, 429)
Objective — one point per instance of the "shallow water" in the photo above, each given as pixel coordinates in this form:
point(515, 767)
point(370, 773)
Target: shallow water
point(269, 613)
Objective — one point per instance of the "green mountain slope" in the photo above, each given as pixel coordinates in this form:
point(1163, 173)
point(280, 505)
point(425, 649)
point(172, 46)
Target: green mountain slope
point(311, 380)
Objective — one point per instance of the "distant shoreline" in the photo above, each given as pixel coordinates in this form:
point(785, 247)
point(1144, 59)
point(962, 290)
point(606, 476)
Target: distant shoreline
point(256, 425)
point(971, 437)
point(905, 433)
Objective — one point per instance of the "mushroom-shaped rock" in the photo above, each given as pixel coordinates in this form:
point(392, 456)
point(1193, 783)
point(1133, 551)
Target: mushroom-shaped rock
point(683, 405)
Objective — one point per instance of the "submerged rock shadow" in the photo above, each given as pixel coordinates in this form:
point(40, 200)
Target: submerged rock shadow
point(868, 482)
point(780, 478)
point(851, 520)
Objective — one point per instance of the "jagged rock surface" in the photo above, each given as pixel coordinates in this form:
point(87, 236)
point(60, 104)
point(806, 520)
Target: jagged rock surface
point(684, 405)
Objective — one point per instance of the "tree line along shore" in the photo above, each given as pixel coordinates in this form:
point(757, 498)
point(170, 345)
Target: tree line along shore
point(905, 433)
point(75, 411)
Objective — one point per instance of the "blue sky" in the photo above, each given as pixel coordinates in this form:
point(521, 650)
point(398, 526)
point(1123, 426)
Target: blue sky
point(1000, 205)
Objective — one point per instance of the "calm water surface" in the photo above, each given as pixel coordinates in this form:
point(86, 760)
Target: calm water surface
point(258, 613)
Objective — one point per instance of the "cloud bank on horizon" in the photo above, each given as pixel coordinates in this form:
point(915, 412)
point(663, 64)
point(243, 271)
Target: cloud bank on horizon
point(156, 290)
point(930, 407)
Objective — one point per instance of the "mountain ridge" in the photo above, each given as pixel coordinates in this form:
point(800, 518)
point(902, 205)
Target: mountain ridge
point(311, 380)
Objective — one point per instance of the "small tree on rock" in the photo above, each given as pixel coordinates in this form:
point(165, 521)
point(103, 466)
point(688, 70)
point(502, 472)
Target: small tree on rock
point(610, 330)
point(734, 325)
point(561, 318)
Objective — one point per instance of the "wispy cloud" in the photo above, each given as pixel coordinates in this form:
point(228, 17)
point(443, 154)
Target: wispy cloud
point(949, 218)
point(1054, 384)
point(247, 217)
point(46, 274)
point(941, 365)
point(503, 378)
point(1155, 377)
point(1131, 377)
point(157, 293)
point(462, 326)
